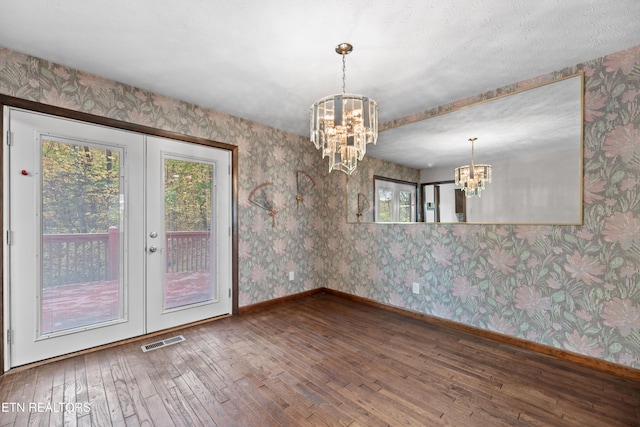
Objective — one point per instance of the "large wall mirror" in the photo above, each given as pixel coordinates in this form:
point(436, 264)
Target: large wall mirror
point(532, 139)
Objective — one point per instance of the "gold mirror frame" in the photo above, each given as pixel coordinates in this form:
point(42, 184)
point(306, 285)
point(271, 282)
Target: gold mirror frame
point(466, 116)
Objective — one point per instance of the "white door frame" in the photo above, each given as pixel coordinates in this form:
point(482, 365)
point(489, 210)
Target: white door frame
point(159, 149)
point(28, 343)
point(6, 101)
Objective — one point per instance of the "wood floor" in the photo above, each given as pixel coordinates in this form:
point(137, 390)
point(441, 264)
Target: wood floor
point(318, 361)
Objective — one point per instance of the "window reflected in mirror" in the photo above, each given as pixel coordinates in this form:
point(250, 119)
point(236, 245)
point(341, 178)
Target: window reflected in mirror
point(531, 137)
point(395, 201)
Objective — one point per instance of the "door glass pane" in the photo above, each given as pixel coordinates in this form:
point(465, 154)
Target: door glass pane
point(405, 206)
point(188, 194)
point(80, 246)
point(385, 198)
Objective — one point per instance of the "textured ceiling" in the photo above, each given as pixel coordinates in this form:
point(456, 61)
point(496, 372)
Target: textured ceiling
point(268, 61)
point(529, 123)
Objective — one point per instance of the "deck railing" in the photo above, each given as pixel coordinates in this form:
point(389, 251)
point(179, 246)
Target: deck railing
point(91, 257)
point(187, 250)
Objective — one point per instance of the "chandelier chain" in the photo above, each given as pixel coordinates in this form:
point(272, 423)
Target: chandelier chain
point(344, 72)
point(472, 151)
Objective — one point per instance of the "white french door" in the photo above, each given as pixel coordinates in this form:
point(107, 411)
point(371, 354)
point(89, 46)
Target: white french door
point(110, 234)
point(189, 257)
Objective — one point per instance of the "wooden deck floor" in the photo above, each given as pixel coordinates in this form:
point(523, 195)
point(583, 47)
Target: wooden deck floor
point(318, 361)
point(82, 304)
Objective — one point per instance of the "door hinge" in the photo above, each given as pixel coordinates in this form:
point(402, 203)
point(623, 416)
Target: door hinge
point(9, 138)
point(229, 292)
point(9, 336)
point(9, 237)
point(229, 169)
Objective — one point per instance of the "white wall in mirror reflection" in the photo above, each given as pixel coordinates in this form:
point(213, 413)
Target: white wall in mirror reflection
point(532, 137)
point(530, 189)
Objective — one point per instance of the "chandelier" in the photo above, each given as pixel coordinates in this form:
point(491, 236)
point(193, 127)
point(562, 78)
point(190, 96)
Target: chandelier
point(342, 125)
point(473, 178)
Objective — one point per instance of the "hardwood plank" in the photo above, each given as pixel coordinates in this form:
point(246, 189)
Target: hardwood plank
point(271, 411)
point(158, 366)
point(133, 395)
point(26, 396)
point(289, 399)
point(85, 421)
point(190, 391)
point(159, 414)
point(9, 392)
point(185, 396)
point(132, 421)
point(206, 399)
point(81, 384)
point(121, 389)
point(116, 415)
point(324, 360)
point(242, 411)
point(143, 385)
point(56, 418)
point(173, 409)
point(42, 397)
point(213, 383)
point(70, 415)
point(95, 390)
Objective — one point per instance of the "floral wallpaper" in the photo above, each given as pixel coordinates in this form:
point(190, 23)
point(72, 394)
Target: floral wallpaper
point(572, 287)
point(266, 254)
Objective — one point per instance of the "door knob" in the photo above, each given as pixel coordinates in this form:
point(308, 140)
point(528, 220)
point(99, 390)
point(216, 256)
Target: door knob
point(153, 249)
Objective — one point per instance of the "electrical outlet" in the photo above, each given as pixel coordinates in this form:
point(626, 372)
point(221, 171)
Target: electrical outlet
point(291, 276)
point(416, 288)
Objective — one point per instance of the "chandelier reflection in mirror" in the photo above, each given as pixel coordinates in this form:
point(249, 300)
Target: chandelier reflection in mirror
point(472, 178)
point(342, 125)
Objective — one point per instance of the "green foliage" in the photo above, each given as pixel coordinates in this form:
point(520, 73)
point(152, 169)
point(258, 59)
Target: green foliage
point(187, 193)
point(80, 188)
